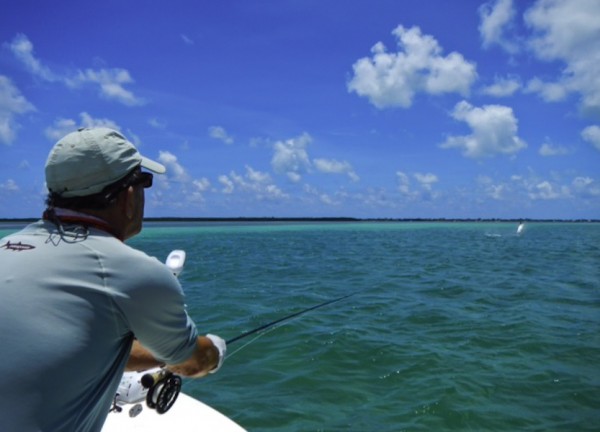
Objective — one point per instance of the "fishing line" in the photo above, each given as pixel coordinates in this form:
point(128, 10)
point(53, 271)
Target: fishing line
point(161, 387)
point(285, 318)
point(265, 332)
point(229, 355)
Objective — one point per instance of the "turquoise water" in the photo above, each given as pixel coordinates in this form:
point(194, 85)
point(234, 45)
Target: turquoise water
point(454, 326)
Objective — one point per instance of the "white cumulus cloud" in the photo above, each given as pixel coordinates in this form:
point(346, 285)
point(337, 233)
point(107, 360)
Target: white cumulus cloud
point(156, 123)
point(426, 180)
point(496, 191)
point(257, 183)
point(228, 186)
point(12, 103)
point(202, 184)
point(586, 187)
point(175, 171)
point(10, 186)
point(545, 191)
point(332, 166)
point(22, 48)
point(110, 82)
point(552, 150)
point(219, 133)
point(592, 135)
point(494, 131)
point(502, 87)
point(290, 157)
point(422, 190)
point(403, 183)
point(199, 187)
point(496, 18)
point(390, 79)
point(63, 126)
point(568, 31)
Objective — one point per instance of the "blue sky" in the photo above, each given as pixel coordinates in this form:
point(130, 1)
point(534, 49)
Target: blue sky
point(285, 108)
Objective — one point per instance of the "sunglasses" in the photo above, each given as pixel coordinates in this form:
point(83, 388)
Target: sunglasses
point(143, 179)
point(135, 178)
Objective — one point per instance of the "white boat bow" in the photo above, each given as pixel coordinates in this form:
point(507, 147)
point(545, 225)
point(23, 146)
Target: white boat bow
point(151, 401)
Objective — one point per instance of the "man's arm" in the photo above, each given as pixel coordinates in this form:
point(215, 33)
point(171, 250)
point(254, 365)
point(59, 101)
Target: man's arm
point(206, 357)
point(140, 358)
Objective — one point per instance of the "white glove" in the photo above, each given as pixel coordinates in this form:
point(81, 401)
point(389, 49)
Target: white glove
point(220, 344)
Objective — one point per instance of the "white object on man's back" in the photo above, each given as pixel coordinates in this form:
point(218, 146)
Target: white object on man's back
point(175, 261)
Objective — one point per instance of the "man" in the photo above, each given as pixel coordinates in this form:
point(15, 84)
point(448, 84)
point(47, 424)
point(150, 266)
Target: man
point(77, 305)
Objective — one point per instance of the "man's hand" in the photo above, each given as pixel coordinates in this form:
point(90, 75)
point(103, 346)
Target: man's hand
point(220, 344)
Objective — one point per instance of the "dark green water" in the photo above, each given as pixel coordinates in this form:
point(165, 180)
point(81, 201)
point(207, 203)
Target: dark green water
point(454, 327)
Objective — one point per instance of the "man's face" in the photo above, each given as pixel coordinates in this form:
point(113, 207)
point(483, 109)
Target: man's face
point(143, 181)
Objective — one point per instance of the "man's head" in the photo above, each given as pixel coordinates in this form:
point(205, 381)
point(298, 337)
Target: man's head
point(100, 170)
point(85, 162)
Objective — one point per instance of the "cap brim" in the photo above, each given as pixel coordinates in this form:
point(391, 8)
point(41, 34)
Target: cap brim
point(153, 166)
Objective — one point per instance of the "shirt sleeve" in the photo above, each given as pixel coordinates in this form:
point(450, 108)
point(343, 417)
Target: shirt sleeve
point(153, 306)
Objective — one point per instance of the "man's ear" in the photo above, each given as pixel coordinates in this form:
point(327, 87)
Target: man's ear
point(129, 202)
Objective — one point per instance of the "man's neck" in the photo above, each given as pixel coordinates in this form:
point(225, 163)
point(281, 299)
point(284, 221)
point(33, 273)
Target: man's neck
point(100, 219)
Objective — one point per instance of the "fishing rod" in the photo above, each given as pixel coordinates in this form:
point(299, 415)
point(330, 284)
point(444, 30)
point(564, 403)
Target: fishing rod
point(285, 318)
point(160, 387)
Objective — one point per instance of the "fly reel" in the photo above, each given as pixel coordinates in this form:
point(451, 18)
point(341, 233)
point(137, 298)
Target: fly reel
point(163, 389)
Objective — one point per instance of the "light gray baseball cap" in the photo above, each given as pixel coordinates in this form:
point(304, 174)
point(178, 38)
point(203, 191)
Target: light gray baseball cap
point(86, 161)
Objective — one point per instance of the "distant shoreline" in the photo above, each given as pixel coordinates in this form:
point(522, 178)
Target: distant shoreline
point(326, 219)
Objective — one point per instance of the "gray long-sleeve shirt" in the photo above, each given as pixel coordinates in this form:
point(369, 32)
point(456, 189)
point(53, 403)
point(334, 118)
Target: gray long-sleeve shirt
point(69, 309)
